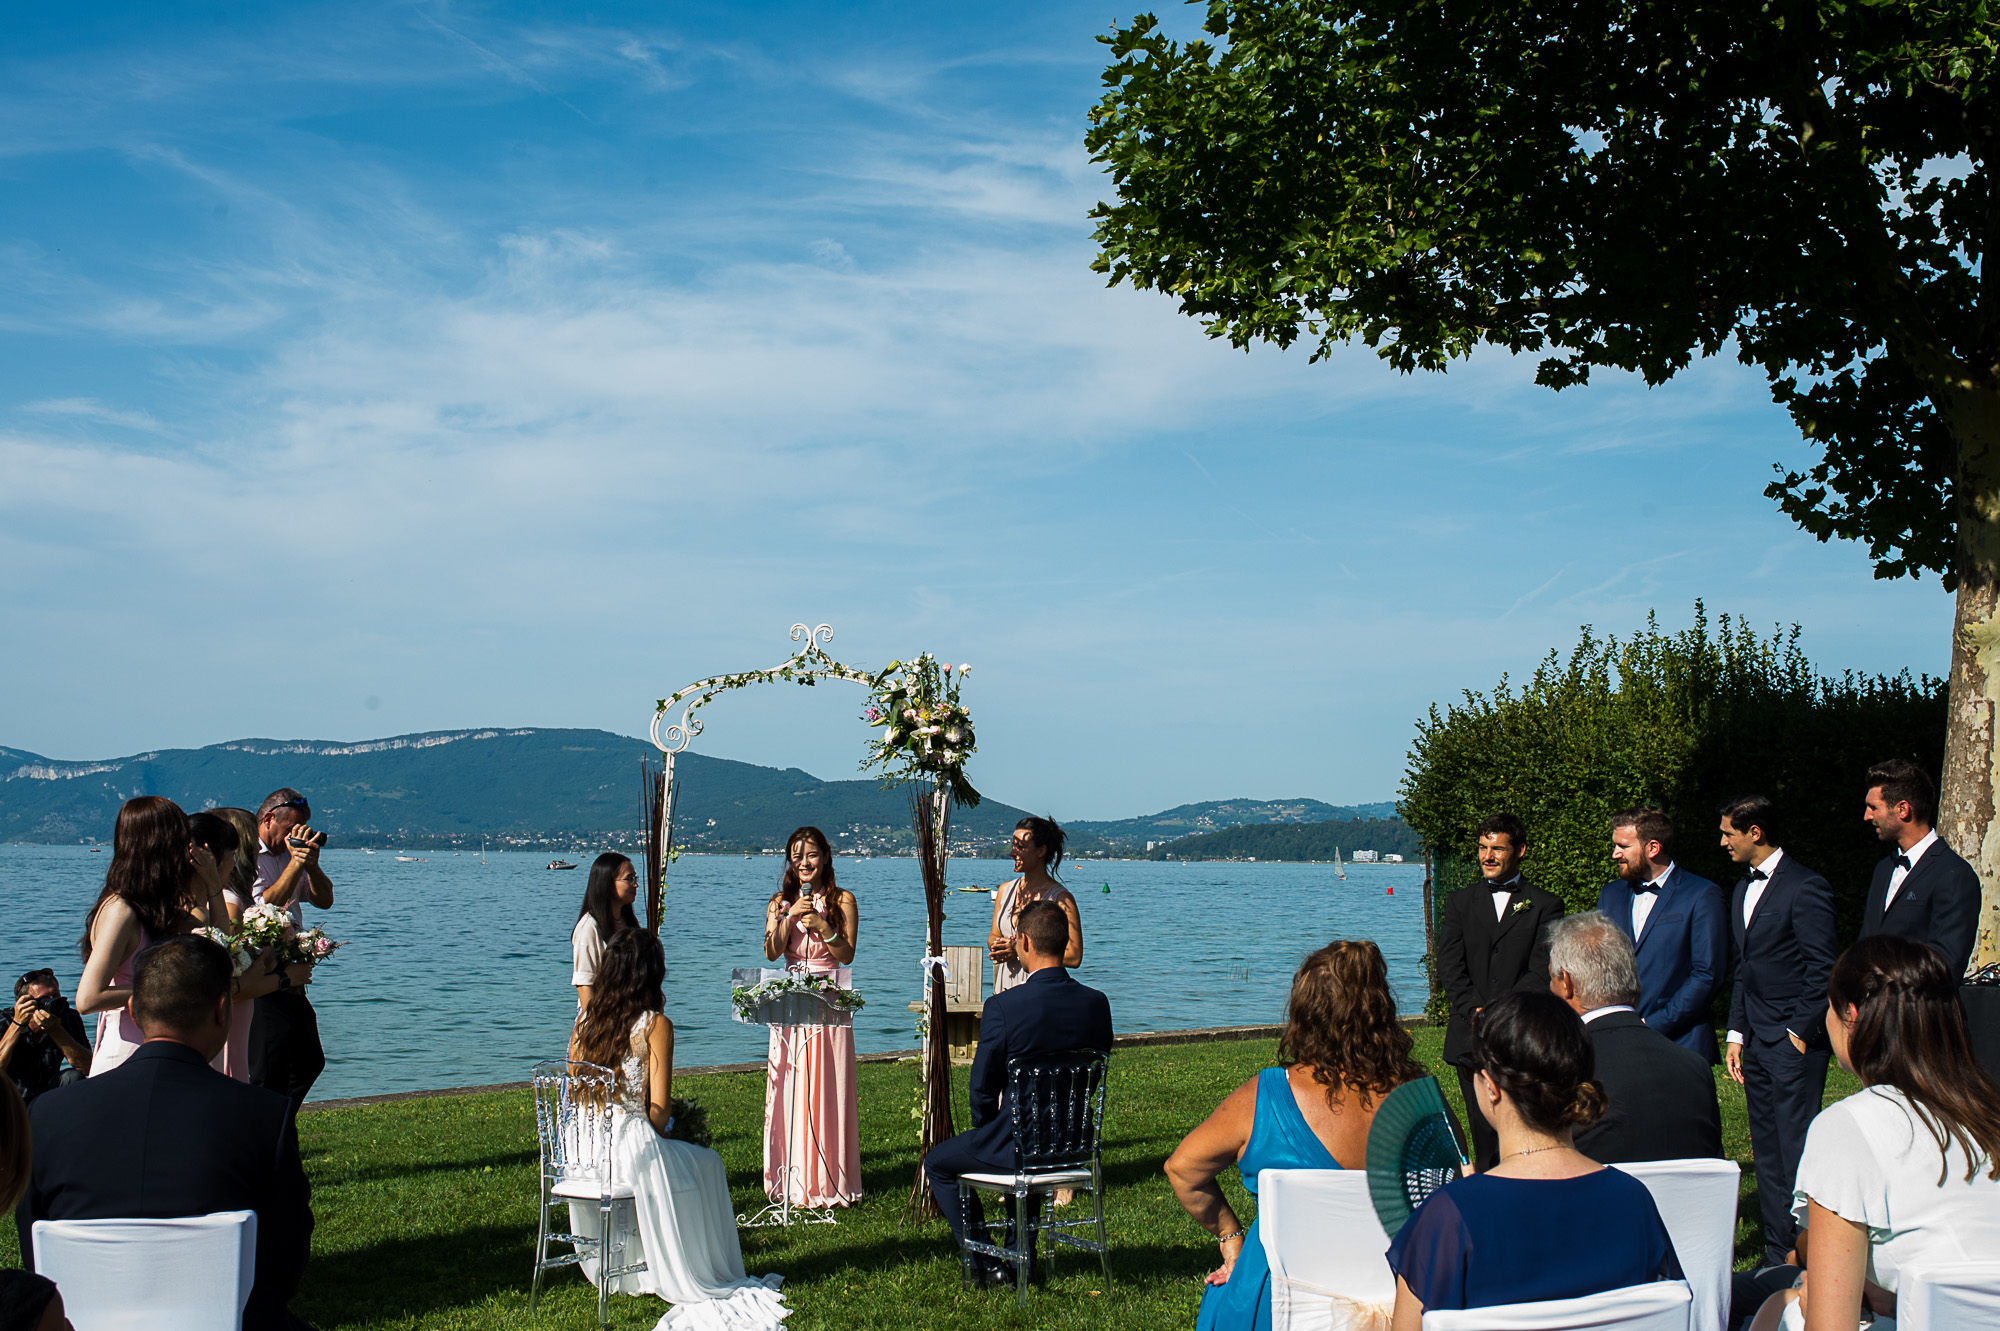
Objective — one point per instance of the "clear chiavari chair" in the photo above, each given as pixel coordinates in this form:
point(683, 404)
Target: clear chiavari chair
point(573, 1121)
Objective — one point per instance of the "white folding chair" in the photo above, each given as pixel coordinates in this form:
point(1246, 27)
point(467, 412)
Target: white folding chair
point(1697, 1200)
point(1948, 1297)
point(1660, 1306)
point(190, 1274)
point(1327, 1251)
point(574, 1123)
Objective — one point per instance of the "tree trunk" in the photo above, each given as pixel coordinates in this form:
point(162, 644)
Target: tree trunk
point(1971, 777)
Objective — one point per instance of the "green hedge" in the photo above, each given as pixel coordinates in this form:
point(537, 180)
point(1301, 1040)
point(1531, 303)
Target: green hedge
point(1683, 720)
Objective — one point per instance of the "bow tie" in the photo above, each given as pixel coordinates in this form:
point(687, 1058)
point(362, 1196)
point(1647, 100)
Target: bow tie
point(1902, 861)
point(1647, 887)
point(1507, 886)
point(1758, 875)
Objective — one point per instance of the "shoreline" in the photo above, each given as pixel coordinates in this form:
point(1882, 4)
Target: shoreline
point(1136, 1039)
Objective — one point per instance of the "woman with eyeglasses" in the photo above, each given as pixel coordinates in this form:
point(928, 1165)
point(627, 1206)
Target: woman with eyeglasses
point(1038, 853)
point(160, 883)
point(607, 908)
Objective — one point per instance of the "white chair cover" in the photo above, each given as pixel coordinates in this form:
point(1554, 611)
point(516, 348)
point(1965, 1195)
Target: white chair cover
point(1950, 1297)
point(192, 1274)
point(1697, 1200)
point(1327, 1251)
point(1660, 1306)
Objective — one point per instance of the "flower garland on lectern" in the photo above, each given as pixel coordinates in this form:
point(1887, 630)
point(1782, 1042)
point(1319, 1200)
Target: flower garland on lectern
point(925, 738)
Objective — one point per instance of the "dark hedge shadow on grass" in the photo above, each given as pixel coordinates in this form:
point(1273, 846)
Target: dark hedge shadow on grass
point(334, 1175)
point(412, 1276)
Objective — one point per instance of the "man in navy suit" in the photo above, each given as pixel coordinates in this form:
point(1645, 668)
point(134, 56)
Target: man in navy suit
point(1781, 917)
point(1047, 1013)
point(165, 1135)
point(1677, 926)
point(1925, 891)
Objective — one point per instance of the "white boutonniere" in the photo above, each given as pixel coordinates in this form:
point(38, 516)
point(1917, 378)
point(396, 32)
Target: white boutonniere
point(1521, 905)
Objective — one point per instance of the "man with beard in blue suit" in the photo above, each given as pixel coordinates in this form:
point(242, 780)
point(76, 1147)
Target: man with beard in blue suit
point(1046, 1013)
point(1678, 925)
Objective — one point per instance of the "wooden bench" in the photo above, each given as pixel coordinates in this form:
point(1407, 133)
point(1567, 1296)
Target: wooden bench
point(964, 989)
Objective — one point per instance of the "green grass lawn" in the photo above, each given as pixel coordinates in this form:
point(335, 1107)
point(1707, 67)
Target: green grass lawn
point(426, 1209)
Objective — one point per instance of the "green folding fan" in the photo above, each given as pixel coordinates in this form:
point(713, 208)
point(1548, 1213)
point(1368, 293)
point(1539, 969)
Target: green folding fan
point(1412, 1151)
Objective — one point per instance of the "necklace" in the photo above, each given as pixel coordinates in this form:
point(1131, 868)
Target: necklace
point(1556, 1146)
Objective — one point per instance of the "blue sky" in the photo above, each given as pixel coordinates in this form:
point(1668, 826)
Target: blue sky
point(371, 368)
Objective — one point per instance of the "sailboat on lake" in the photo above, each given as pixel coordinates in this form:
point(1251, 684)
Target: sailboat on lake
point(1338, 867)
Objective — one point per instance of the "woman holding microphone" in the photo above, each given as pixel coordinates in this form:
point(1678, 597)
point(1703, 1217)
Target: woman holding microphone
point(815, 1150)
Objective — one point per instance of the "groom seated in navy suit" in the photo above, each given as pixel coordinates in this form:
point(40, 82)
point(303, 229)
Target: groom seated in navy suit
point(165, 1135)
point(1678, 925)
point(1047, 1013)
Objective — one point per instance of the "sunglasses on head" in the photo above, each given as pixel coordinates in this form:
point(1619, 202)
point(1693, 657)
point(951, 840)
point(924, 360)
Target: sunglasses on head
point(296, 802)
point(43, 976)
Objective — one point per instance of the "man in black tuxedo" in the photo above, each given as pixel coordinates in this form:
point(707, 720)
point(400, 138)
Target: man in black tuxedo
point(1781, 918)
point(165, 1135)
point(1494, 940)
point(1925, 891)
point(1047, 1013)
point(1661, 1094)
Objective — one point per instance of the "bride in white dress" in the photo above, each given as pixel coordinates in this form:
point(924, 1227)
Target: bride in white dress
point(686, 1222)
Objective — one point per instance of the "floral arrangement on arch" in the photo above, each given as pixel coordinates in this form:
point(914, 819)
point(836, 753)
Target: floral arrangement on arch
point(925, 729)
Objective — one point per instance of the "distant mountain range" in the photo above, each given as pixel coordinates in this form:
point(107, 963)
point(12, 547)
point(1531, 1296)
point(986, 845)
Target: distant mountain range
point(542, 787)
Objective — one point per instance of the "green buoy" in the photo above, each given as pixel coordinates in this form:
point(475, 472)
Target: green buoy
point(1107, 887)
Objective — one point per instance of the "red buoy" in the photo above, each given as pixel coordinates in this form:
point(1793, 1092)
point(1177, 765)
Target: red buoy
point(1392, 891)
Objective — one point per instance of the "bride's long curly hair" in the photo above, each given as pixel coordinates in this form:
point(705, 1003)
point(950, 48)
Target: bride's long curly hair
point(629, 976)
point(1341, 1019)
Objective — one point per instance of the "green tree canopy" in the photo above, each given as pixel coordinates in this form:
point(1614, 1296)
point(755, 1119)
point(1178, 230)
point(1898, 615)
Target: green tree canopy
point(1628, 184)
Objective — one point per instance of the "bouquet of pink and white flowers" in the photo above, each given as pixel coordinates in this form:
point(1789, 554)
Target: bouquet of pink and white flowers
point(266, 926)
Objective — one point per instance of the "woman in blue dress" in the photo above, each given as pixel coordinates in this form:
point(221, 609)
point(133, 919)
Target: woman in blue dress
point(1342, 1051)
point(1547, 1222)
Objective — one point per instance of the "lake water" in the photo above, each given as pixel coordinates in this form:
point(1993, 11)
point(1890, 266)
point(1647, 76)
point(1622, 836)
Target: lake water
point(456, 973)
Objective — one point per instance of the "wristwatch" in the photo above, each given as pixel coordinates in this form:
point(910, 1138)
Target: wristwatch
point(284, 980)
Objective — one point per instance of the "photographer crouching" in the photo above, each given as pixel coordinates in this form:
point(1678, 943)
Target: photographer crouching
point(285, 1052)
point(42, 1041)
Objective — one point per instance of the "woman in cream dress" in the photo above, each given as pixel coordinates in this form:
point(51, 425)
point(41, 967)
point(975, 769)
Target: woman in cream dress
point(686, 1223)
point(1038, 853)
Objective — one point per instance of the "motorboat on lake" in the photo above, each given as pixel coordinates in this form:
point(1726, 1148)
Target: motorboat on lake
point(561, 864)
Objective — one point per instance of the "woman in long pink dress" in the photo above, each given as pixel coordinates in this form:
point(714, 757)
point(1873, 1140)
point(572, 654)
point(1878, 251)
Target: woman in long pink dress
point(812, 923)
point(160, 882)
point(150, 890)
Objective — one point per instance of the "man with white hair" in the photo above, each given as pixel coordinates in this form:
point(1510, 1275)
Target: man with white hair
point(1661, 1094)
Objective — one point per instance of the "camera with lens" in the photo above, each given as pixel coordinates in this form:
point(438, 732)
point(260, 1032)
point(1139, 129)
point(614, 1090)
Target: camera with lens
point(309, 841)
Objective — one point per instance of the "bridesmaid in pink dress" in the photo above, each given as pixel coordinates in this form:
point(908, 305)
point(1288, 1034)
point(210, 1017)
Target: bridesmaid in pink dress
point(812, 923)
point(150, 890)
point(161, 882)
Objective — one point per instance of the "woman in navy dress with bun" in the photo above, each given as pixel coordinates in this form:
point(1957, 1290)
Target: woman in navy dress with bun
point(1547, 1222)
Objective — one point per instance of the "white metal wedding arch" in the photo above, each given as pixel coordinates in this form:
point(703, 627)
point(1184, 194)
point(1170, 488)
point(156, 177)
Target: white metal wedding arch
point(935, 784)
